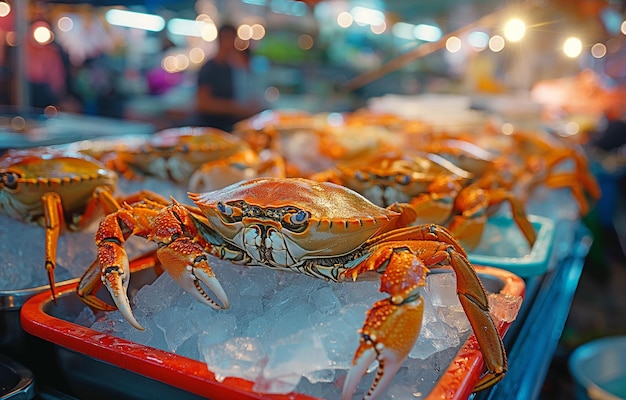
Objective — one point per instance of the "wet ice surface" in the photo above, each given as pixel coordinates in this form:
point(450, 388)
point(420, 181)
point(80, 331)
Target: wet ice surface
point(289, 332)
point(503, 240)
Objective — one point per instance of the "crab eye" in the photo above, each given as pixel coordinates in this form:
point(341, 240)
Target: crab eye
point(295, 220)
point(10, 179)
point(224, 209)
point(299, 217)
point(361, 176)
point(403, 179)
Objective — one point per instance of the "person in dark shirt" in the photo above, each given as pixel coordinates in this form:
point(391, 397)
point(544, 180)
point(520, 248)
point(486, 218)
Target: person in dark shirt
point(216, 100)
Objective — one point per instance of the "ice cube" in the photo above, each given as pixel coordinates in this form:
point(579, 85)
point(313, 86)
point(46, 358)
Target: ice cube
point(295, 355)
point(173, 337)
point(241, 357)
point(503, 239)
point(504, 307)
point(441, 288)
point(321, 375)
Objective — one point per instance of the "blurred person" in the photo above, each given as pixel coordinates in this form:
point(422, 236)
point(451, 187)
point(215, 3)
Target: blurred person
point(45, 72)
point(217, 102)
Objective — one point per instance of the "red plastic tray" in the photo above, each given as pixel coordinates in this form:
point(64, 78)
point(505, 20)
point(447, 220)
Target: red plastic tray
point(193, 376)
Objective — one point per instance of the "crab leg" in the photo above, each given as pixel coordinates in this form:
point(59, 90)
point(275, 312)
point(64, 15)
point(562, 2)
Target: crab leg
point(581, 187)
point(474, 301)
point(434, 206)
point(54, 224)
point(473, 204)
point(392, 326)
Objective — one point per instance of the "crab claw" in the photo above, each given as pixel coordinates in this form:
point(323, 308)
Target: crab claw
point(388, 335)
point(188, 265)
point(115, 278)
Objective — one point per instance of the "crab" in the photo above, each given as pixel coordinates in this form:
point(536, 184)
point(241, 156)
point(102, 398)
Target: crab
point(57, 190)
point(461, 151)
point(424, 182)
point(245, 164)
point(428, 188)
point(176, 154)
point(319, 229)
point(477, 200)
point(527, 159)
point(311, 143)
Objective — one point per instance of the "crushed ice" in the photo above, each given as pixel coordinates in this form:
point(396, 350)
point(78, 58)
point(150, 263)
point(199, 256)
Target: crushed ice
point(284, 327)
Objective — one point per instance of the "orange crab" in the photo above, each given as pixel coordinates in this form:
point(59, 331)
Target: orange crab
point(428, 188)
point(322, 230)
point(210, 155)
point(424, 182)
point(56, 190)
point(311, 143)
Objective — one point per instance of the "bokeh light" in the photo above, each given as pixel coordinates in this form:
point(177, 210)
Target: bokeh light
point(208, 32)
point(50, 111)
point(344, 19)
point(305, 42)
point(598, 50)
point(169, 64)
point(272, 94)
point(182, 62)
point(5, 9)
point(65, 24)
point(514, 30)
point(196, 55)
point(43, 35)
point(18, 123)
point(11, 38)
point(241, 44)
point(496, 43)
point(258, 31)
point(572, 47)
point(244, 32)
point(453, 44)
point(378, 28)
point(507, 128)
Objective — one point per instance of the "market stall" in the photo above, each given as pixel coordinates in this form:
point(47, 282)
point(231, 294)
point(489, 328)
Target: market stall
point(429, 202)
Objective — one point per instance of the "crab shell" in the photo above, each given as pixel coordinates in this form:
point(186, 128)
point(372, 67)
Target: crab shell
point(339, 220)
point(25, 175)
point(175, 153)
point(385, 178)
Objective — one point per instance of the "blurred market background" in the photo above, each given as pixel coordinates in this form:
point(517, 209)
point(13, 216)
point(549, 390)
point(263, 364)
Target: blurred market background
point(556, 64)
point(138, 59)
